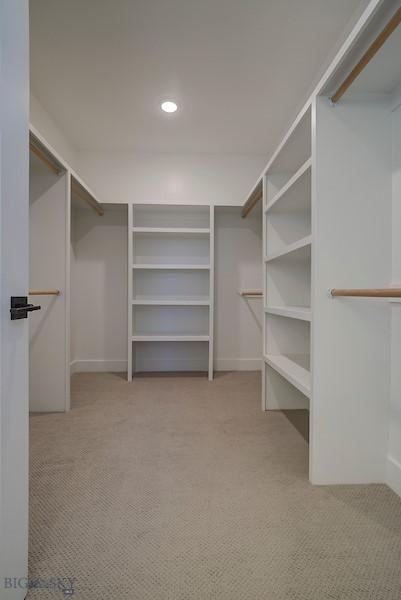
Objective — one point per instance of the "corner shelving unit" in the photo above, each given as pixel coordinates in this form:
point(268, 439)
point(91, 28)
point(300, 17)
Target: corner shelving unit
point(170, 288)
point(287, 271)
point(331, 219)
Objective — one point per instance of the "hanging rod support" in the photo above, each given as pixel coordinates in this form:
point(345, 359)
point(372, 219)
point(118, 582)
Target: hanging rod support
point(369, 54)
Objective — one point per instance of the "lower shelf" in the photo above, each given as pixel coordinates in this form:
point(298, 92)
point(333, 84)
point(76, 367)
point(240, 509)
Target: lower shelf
point(303, 313)
point(170, 338)
point(294, 368)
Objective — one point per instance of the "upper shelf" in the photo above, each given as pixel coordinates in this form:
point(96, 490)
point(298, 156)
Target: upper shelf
point(373, 65)
point(179, 230)
point(39, 149)
point(43, 151)
point(295, 150)
point(296, 193)
point(176, 218)
point(81, 192)
point(254, 197)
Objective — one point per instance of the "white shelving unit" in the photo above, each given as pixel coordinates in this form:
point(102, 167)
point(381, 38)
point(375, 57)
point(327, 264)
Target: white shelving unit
point(287, 271)
point(331, 219)
point(170, 288)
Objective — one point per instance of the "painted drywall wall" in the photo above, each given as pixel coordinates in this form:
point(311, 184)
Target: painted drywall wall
point(49, 129)
point(48, 388)
point(394, 443)
point(98, 248)
point(171, 178)
point(99, 290)
point(238, 266)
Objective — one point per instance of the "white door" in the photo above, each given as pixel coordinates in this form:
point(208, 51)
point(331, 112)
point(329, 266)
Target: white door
point(14, 94)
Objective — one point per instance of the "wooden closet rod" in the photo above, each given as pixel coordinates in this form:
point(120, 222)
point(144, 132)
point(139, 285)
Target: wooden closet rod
point(369, 54)
point(45, 158)
point(85, 196)
point(368, 293)
point(255, 196)
point(44, 293)
point(251, 293)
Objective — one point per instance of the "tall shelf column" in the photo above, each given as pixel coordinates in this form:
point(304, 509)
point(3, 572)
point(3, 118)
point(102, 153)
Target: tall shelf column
point(171, 281)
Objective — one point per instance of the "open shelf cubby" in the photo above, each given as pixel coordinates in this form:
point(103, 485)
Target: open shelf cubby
point(171, 250)
point(288, 218)
point(288, 282)
point(288, 350)
point(290, 157)
point(170, 320)
point(167, 216)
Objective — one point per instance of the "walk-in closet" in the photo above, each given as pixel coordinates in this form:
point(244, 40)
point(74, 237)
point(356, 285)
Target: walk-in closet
point(211, 330)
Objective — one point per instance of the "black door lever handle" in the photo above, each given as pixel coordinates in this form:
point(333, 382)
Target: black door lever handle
point(20, 307)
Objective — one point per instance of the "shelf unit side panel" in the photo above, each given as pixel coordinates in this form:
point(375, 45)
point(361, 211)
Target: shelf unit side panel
point(352, 248)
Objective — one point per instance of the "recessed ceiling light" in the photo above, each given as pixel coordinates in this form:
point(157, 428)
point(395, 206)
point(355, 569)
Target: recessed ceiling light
point(169, 107)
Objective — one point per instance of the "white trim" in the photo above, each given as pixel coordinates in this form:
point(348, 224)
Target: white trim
point(98, 366)
point(393, 478)
point(238, 364)
point(211, 294)
point(67, 288)
point(119, 366)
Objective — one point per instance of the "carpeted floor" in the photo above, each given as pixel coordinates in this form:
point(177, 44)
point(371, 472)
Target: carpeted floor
point(174, 488)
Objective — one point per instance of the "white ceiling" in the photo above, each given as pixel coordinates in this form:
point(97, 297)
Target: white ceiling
point(237, 68)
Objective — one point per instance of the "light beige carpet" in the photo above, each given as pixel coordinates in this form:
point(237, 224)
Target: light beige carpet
point(174, 488)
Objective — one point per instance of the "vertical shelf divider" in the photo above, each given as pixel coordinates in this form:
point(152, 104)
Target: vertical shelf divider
point(211, 292)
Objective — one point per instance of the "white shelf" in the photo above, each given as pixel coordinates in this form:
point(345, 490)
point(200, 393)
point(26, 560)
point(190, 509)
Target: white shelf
point(305, 167)
point(288, 367)
point(302, 313)
point(171, 302)
point(181, 230)
point(304, 243)
point(170, 267)
point(170, 338)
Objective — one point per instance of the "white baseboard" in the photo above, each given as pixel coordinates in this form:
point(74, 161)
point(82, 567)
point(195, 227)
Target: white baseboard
point(98, 366)
point(238, 364)
point(161, 365)
point(394, 475)
point(118, 366)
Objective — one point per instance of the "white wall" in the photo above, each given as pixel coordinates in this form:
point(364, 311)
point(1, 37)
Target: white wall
point(48, 387)
point(238, 266)
point(46, 126)
point(99, 290)
point(98, 256)
point(171, 178)
point(394, 445)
